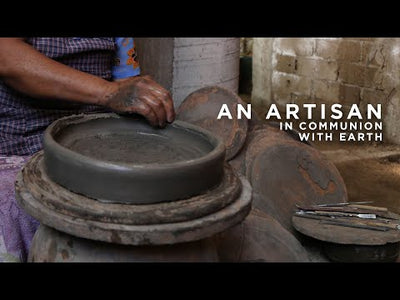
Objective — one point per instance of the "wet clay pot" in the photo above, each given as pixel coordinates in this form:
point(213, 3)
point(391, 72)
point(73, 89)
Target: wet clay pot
point(259, 238)
point(118, 159)
point(201, 108)
point(50, 245)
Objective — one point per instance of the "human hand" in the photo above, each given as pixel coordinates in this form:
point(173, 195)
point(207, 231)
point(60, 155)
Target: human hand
point(144, 96)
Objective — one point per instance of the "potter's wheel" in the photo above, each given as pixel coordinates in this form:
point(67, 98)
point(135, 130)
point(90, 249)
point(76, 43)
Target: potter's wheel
point(117, 159)
point(115, 179)
point(173, 222)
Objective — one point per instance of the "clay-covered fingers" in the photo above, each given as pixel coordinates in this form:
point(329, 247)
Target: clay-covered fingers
point(166, 100)
point(156, 97)
point(157, 106)
point(162, 95)
point(144, 96)
point(147, 112)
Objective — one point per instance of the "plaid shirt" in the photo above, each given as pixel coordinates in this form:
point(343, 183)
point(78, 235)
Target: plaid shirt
point(23, 119)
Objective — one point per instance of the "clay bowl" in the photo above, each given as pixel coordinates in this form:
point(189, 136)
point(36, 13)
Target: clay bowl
point(119, 159)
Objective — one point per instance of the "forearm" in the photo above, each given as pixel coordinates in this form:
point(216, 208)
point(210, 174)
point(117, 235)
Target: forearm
point(28, 71)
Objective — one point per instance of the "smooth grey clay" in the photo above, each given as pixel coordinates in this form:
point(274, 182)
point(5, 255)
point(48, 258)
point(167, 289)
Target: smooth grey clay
point(118, 159)
point(104, 140)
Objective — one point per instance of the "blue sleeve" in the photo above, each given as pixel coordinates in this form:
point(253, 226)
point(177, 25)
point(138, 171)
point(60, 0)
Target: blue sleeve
point(126, 63)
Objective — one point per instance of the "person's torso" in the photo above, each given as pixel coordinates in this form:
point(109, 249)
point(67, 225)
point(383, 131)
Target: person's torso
point(23, 119)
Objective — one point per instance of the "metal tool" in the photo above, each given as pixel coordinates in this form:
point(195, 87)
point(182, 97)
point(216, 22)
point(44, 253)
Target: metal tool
point(359, 209)
point(368, 207)
point(339, 214)
point(327, 221)
point(377, 228)
point(343, 203)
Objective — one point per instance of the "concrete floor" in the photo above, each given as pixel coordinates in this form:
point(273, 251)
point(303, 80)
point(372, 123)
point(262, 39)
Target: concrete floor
point(370, 172)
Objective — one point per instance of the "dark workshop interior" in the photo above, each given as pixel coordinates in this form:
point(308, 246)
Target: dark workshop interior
point(109, 187)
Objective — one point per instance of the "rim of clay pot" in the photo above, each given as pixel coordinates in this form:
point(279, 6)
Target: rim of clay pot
point(65, 156)
point(54, 128)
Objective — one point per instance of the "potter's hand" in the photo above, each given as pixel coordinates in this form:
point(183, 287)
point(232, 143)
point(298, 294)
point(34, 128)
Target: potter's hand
point(144, 96)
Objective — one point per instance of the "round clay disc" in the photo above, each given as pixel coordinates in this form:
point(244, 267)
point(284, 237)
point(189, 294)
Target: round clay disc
point(344, 235)
point(285, 172)
point(202, 107)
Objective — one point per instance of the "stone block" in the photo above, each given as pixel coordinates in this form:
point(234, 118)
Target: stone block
point(306, 66)
point(373, 96)
point(326, 91)
point(339, 49)
point(373, 54)
point(326, 70)
point(327, 48)
point(373, 77)
point(285, 63)
point(294, 46)
point(291, 82)
point(349, 51)
point(349, 95)
point(352, 74)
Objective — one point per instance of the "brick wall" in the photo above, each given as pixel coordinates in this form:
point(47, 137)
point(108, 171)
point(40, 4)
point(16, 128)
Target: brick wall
point(329, 70)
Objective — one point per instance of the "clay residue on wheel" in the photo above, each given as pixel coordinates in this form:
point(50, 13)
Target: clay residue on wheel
point(138, 148)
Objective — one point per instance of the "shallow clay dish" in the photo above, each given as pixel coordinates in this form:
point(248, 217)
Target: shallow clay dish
point(124, 160)
point(201, 108)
